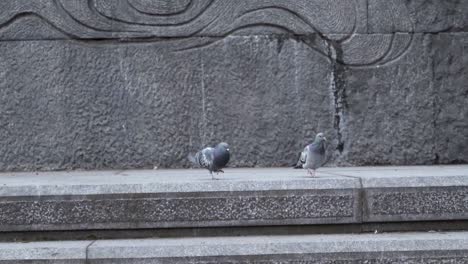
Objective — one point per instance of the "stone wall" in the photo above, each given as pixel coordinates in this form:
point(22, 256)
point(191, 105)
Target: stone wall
point(140, 83)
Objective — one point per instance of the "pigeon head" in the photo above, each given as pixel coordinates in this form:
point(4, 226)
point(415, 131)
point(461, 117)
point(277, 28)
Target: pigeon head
point(320, 137)
point(223, 145)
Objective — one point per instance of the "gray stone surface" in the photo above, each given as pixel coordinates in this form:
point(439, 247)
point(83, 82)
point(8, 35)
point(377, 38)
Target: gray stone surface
point(63, 252)
point(450, 60)
point(385, 248)
point(243, 197)
point(162, 199)
point(118, 106)
point(386, 120)
point(177, 181)
point(222, 209)
point(138, 83)
point(421, 193)
point(90, 105)
point(412, 204)
point(417, 16)
point(410, 107)
point(182, 18)
point(434, 193)
point(366, 248)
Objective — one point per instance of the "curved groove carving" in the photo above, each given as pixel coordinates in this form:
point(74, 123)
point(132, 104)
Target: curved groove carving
point(178, 19)
point(60, 7)
point(22, 15)
point(144, 20)
point(169, 8)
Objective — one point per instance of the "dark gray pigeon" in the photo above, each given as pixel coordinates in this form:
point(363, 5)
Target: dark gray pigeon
point(213, 159)
point(313, 155)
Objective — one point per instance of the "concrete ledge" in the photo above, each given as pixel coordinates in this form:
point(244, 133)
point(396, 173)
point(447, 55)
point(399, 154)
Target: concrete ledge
point(412, 193)
point(381, 248)
point(69, 252)
point(243, 197)
point(287, 249)
point(174, 198)
point(415, 194)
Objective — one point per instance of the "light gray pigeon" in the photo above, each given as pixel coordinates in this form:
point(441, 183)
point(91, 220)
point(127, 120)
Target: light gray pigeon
point(213, 159)
point(313, 155)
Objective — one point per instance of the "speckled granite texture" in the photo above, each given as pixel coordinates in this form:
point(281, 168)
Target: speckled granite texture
point(105, 200)
point(410, 248)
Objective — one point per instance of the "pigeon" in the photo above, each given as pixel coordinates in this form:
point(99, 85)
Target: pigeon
point(313, 155)
point(213, 159)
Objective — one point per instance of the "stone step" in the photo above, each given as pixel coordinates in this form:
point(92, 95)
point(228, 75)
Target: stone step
point(108, 200)
point(351, 248)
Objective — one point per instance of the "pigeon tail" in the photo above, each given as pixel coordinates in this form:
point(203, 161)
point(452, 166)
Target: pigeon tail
point(300, 162)
point(192, 159)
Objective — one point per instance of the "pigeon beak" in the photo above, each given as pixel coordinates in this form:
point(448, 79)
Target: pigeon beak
point(227, 149)
point(324, 138)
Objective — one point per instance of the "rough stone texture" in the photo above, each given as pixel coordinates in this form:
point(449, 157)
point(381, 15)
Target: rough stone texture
point(389, 110)
point(324, 249)
point(96, 105)
point(413, 204)
point(191, 211)
point(244, 197)
point(304, 259)
point(157, 200)
point(137, 83)
point(417, 16)
point(393, 248)
point(64, 252)
point(421, 193)
point(450, 60)
point(143, 18)
point(82, 183)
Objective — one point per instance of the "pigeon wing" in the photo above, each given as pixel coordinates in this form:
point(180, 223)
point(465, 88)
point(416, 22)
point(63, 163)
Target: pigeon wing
point(205, 158)
point(302, 158)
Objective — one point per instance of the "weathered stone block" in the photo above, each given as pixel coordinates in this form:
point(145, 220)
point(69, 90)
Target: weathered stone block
point(140, 18)
point(244, 197)
point(143, 202)
point(114, 105)
point(222, 209)
point(417, 16)
point(268, 96)
point(412, 248)
point(68, 105)
point(121, 79)
point(450, 65)
point(415, 196)
point(63, 252)
point(323, 249)
point(387, 108)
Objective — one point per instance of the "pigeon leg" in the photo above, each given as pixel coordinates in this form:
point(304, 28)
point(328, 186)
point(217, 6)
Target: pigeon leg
point(221, 171)
point(308, 170)
point(313, 173)
point(212, 176)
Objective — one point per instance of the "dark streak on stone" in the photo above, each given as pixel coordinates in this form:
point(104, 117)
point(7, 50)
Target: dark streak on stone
point(335, 53)
point(435, 97)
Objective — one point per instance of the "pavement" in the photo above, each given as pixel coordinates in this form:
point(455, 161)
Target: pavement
point(419, 247)
point(184, 180)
